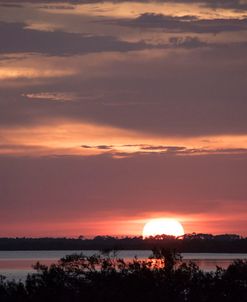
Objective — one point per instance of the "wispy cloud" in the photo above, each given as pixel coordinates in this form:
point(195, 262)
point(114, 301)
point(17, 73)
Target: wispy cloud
point(142, 150)
point(186, 23)
point(52, 96)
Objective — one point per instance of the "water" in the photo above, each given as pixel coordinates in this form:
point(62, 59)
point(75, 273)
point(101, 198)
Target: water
point(17, 264)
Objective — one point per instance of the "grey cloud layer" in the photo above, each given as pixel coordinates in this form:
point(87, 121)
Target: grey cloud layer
point(187, 23)
point(226, 4)
point(196, 93)
point(192, 87)
point(17, 38)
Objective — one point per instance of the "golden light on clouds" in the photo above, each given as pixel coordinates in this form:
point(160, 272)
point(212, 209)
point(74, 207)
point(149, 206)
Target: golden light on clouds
point(72, 138)
point(13, 73)
point(125, 10)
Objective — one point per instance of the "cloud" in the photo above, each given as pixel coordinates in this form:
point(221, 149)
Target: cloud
point(163, 148)
point(18, 39)
point(225, 4)
point(186, 92)
point(186, 23)
point(52, 96)
point(58, 6)
point(16, 73)
point(133, 116)
point(187, 42)
point(11, 5)
point(129, 150)
point(186, 85)
point(99, 147)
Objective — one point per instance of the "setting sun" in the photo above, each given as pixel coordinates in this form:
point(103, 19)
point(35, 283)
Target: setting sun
point(163, 226)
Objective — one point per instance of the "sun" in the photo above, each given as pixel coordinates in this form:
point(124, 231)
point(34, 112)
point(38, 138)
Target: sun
point(163, 226)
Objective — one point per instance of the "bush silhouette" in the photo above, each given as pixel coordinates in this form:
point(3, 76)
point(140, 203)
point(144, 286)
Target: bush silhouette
point(105, 277)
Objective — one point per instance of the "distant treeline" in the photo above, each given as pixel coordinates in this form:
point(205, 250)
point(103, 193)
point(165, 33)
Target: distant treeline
point(102, 278)
point(200, 243)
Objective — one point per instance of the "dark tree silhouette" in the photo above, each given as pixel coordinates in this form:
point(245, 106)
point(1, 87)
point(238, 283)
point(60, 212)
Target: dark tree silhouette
point(207, 243)
point(105, 277)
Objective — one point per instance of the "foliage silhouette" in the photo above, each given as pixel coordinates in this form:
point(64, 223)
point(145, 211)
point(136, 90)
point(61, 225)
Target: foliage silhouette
point(101, 277)
point(198, 243)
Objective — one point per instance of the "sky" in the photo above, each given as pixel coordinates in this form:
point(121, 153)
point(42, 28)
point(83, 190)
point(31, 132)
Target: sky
point(114, 113)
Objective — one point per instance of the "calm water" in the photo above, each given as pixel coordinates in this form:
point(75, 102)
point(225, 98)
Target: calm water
point(17, 264)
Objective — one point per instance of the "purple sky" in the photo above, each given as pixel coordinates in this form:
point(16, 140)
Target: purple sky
point(114, 114)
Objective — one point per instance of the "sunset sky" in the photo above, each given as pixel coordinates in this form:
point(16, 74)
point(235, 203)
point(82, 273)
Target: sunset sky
point(112, 114)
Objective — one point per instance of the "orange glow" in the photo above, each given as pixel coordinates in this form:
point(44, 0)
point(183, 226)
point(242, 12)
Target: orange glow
point(163, 226)
point(66, 138)
point(115, 224)
point(31, 73)
point(124, 10)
